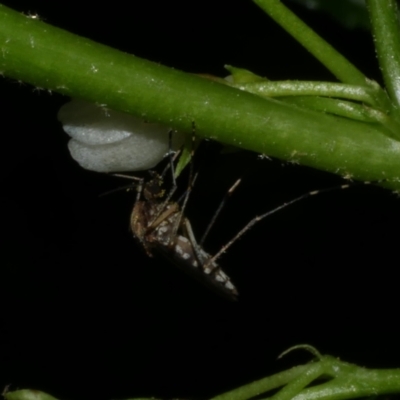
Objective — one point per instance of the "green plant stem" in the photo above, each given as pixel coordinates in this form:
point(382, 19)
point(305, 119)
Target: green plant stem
point(346, 381)
point(386, 33)
point(264, 385)
point(340, 107)
point(340, 67)
point(310, 95)
point(359, 383)
point(51, 58)
point(309, 88)
point(300, 90)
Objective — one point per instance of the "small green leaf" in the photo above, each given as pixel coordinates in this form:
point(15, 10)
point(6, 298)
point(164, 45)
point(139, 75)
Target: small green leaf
point(240, 75)
point(185, 157)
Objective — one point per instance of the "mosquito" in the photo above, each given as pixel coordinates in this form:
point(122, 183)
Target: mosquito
point(160, 225)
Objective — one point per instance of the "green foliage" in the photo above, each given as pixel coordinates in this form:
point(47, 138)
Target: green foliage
point(341, 381)
point(353, 131)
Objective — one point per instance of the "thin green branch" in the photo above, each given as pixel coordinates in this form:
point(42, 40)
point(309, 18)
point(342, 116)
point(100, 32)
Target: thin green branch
point(54, 59)
point(310, 95)
point(340, 67)
point(289, 391)
point(356, 382)
point(309, 88)
point(264, 385)
point(345, 381)
point(343, 108)
point(342, 381)
point(386, 33)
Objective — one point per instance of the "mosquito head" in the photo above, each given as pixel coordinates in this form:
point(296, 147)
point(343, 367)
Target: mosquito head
point(153, 189)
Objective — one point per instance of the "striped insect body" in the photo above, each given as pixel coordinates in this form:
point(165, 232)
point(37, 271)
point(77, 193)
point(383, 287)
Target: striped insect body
point(160, 226)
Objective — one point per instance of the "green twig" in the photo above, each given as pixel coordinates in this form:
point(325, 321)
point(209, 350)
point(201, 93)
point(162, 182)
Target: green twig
point(343, 108)
point(386, 33)
point(310, 88)
point(341, 381)
point(340, 67)
point(54, 59)
point(264, 385)
point(345, 381)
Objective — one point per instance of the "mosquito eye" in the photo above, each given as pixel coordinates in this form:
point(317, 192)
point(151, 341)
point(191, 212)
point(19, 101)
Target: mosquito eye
point(104, 140)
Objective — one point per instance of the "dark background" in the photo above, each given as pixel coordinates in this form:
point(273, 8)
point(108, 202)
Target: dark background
point(86, 314)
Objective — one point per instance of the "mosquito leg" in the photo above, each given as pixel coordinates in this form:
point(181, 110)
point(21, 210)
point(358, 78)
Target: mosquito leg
point(189, 233)
point(171, 160)
point(170, 165)
point(259, 218)
point(218, 211)
point(192, 179)
point(171, 157)
point(139, 190)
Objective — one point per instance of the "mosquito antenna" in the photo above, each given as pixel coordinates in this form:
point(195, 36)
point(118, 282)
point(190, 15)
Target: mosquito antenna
point(134, 178)
point(218, 211)
point(259, 218)
point(119, 189)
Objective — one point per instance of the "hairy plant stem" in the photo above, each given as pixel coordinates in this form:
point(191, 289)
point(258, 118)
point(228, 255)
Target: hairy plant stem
point(54, 59)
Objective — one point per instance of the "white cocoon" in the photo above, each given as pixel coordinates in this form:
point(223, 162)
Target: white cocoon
point(104, 140)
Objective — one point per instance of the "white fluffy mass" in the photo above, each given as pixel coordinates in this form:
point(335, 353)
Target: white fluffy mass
point(104, 140)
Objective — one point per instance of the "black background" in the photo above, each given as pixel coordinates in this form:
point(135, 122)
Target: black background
point(86, 314)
